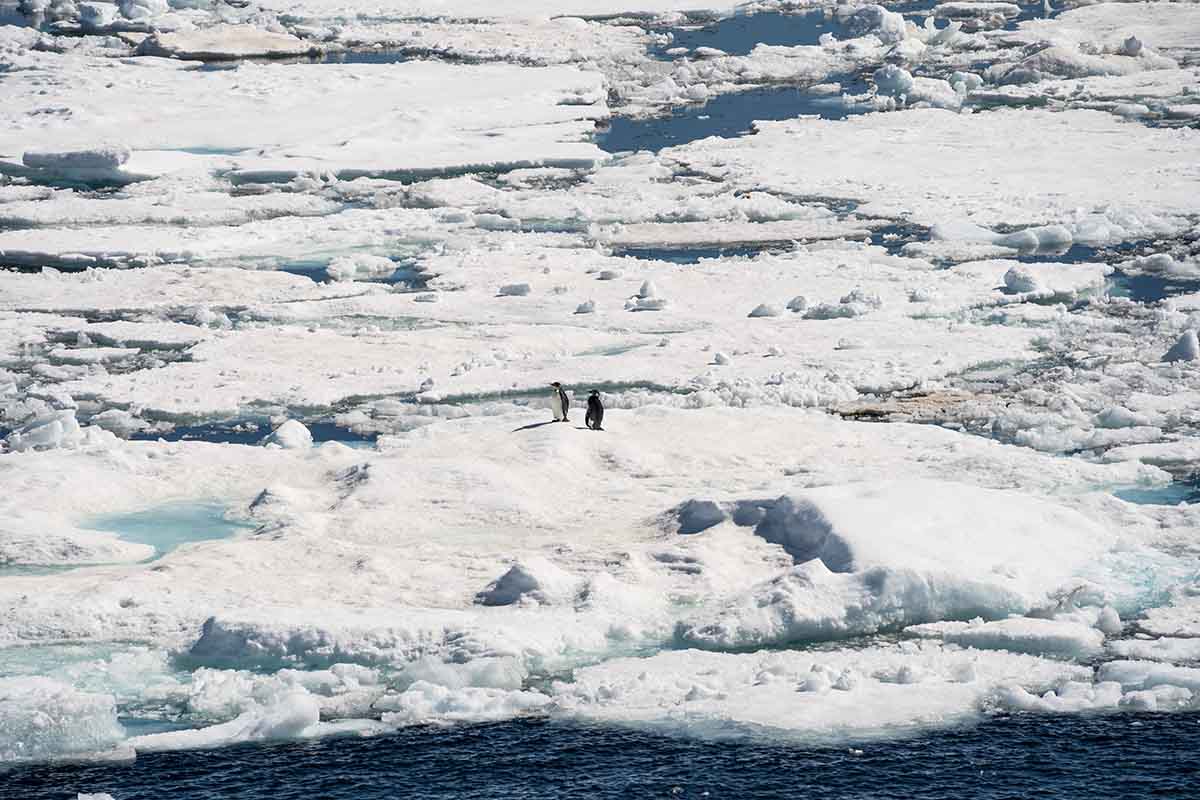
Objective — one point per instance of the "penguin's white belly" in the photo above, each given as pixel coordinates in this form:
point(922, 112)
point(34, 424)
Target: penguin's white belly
point(556, 406)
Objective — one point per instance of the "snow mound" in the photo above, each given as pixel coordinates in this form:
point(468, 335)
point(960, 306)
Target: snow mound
point(291, 435)
point(892, 80)
point(533, 579)
point(1044, 637)
point(56, 429)
point(43, 719)
point(876, 556)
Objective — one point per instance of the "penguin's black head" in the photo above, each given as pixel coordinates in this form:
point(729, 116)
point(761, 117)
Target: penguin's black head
point(555, 384)
point(595, 393)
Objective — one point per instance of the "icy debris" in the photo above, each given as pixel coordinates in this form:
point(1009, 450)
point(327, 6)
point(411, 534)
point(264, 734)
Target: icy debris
point(1149, 675)
point(44, 719)
point(720, 358)
point(425, 702)
point(1167, 648)
point(1069, 697)
point(695, 516)
point(1043, 637)
point(798, 303)
point(504, 672)
point(533, 579)
point(586, 307)
point(514, 290)
point(893, 81)
point(291, 435)
point(48, 431)
point(765, 310)
point(648, 290)
point(1131, 47)
point(360, 267)
point(608, 275)
point(426, 297)
point(1186, 349)
point(1021, 279)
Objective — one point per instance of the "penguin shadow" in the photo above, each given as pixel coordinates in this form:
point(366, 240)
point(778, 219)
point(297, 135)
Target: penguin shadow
point(533, 425)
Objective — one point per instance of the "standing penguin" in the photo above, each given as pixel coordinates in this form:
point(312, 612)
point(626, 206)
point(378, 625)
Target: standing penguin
point(595, 412)
point(559, 403)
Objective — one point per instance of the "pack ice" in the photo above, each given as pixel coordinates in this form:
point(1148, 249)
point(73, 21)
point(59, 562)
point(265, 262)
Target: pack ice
point(900, 370)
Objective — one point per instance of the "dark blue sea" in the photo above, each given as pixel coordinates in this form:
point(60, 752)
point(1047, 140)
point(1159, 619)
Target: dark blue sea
point(1024, 756)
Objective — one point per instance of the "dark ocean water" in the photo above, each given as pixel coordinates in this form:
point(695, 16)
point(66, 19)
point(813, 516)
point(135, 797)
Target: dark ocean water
point(1026, 756)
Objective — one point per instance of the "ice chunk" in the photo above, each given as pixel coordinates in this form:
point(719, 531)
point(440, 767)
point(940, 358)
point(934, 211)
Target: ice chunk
point(1186, 349)
point(106, 157)
point(48, 431)
point(887, 25)
point(798, 303)
point(533, 579)
point(695, 516)
point(648, 290)
point(142, 10)
point(426, 702)
point(514, 290)
point(97, 15)
point(292, 716)
point(765, 310)
point(892, 80)
point(360, 267)
point(1149, 674)
point(1044, 637)
point(43, 719)
point(223, 41)
point(586, 307)
point(291, 435)
point(1021, 279)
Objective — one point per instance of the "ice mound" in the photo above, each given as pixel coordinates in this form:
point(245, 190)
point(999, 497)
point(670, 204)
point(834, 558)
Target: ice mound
point(1042, 637)
point(291, 435)
point(43, 719)
point(1186, 349)
point(813, 695)
point(533, 579)
point(360, 267)
point(292, 716)
point(876, 556)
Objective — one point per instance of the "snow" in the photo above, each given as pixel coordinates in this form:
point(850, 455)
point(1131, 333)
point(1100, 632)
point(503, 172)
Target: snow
point(291, 435)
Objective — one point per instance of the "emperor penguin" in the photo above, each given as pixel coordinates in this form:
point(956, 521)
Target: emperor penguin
point(559, 403)
point(595, 412)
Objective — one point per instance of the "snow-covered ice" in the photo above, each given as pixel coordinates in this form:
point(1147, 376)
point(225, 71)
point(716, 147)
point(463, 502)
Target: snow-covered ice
point(880, 390)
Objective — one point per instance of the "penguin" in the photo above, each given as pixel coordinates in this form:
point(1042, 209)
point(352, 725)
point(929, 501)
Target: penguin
point(595, 412)
point(559, 403)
